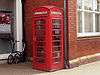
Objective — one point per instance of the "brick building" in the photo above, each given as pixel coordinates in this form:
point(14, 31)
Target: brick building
point(82, 20)
point(83, 27)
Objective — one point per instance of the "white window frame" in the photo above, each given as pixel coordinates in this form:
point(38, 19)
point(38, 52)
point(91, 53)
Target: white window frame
point(83, 33)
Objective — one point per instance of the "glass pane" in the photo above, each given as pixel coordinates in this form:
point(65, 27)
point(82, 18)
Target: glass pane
point(5, 46)
point(88, 4)
point(56, 23)
point(98, 5)
point(88, 21)
point(7, 21)
point(97, 21)
point(7, 15)
point(79, 22)
point(40, 22)
point(56, 37)
point(56, 48)
point(79, 4)
point(56, 32)
point(57, 43)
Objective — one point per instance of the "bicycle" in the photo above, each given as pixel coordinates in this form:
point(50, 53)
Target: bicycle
point(16, 57)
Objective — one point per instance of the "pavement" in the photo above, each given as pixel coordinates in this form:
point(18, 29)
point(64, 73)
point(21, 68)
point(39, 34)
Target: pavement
point(26, 69)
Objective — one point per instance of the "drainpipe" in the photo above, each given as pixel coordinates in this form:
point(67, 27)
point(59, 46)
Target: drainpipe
point(66, 52)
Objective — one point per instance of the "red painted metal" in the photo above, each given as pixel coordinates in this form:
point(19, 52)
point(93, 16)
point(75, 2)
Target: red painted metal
point(48, 38)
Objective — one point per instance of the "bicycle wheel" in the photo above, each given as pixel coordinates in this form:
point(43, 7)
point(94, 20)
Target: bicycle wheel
point(16, 58)
point(22, 59)
point(10, 59)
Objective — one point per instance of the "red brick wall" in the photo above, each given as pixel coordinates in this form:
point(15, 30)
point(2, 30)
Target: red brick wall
point(72, 24)
point(79, 47)
point(28, 26)
point(88, 46)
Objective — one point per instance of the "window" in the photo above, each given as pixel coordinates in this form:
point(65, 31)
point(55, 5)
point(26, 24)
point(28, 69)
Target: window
point(88, 17)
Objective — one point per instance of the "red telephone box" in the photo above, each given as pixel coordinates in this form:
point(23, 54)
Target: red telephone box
point(48, 38)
